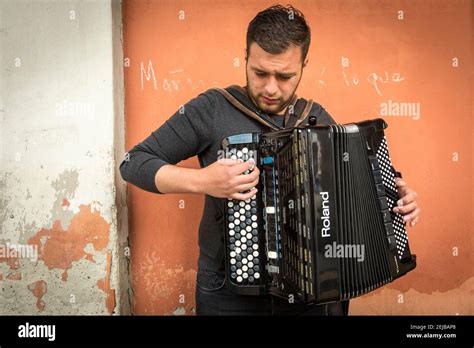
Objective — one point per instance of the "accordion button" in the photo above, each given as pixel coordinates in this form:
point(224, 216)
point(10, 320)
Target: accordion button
point(256, 275)
point(255, 254)
point(380, 190)
point(249, 243)
point(244, 246)
point(244, 261)
point(389, 229)
point(251, 279)
point(238, 250)
point(255, 246)
point(383, 203)
point(233, 275)
point(374, 163)
point(392, 242)
point(239, 271)
point(250, 257)
point(377, 177)
point(243, 239)
point(249, 235)
point(250, 265)
point(237, 243)
point(254, 217)
point(232, 254)
point(239, 279)
point(245, 150)
point(245, 275)
point(386, 216)
point(232, 261)
point(233, 268)
point(251, 272)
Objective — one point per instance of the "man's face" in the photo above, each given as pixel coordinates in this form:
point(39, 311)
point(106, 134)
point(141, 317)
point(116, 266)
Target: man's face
point(272, 79)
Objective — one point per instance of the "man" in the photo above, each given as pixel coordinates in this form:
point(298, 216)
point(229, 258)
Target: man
point(278, 40)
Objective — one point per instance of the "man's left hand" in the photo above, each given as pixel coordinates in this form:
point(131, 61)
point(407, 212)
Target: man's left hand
point(406, 205)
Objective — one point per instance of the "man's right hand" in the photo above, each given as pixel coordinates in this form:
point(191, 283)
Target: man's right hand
point(225, 179)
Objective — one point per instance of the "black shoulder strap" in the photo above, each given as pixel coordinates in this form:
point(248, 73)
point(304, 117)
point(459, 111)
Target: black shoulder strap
point(294, 115)
point(294, 111)
point(305, 113)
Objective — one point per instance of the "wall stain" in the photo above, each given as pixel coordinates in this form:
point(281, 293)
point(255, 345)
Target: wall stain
point(62, 247)
point(162, 287)
point(65, 187)
point(104, 284)
point(13, 262)
point(14, 276)
point(389, 301)
point(38, 289)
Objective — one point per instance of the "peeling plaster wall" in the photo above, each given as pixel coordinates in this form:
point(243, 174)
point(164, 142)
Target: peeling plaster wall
point(60, 107)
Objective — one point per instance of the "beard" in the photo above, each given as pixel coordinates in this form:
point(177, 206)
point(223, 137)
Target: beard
point(274, 108)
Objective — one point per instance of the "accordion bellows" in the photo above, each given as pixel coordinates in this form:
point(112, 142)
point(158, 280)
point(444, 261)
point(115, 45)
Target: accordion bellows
point(321, 226)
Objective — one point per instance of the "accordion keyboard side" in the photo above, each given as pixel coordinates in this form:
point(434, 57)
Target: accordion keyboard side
point(379, 148)
point(244, 233)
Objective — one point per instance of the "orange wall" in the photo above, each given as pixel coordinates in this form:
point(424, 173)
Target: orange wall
point(433, 152)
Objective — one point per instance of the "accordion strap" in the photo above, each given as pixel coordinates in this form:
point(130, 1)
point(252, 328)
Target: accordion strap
point(237, 102)
point(305, 113)
point(307, 105)
point(238, 97)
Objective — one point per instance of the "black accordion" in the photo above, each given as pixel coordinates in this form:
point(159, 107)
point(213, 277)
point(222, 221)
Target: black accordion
point(321, 226)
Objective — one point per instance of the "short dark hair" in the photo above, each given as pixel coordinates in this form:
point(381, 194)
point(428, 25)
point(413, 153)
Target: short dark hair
point(277, 27)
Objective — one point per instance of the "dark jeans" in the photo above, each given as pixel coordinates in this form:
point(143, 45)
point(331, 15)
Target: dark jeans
point(214, 298)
